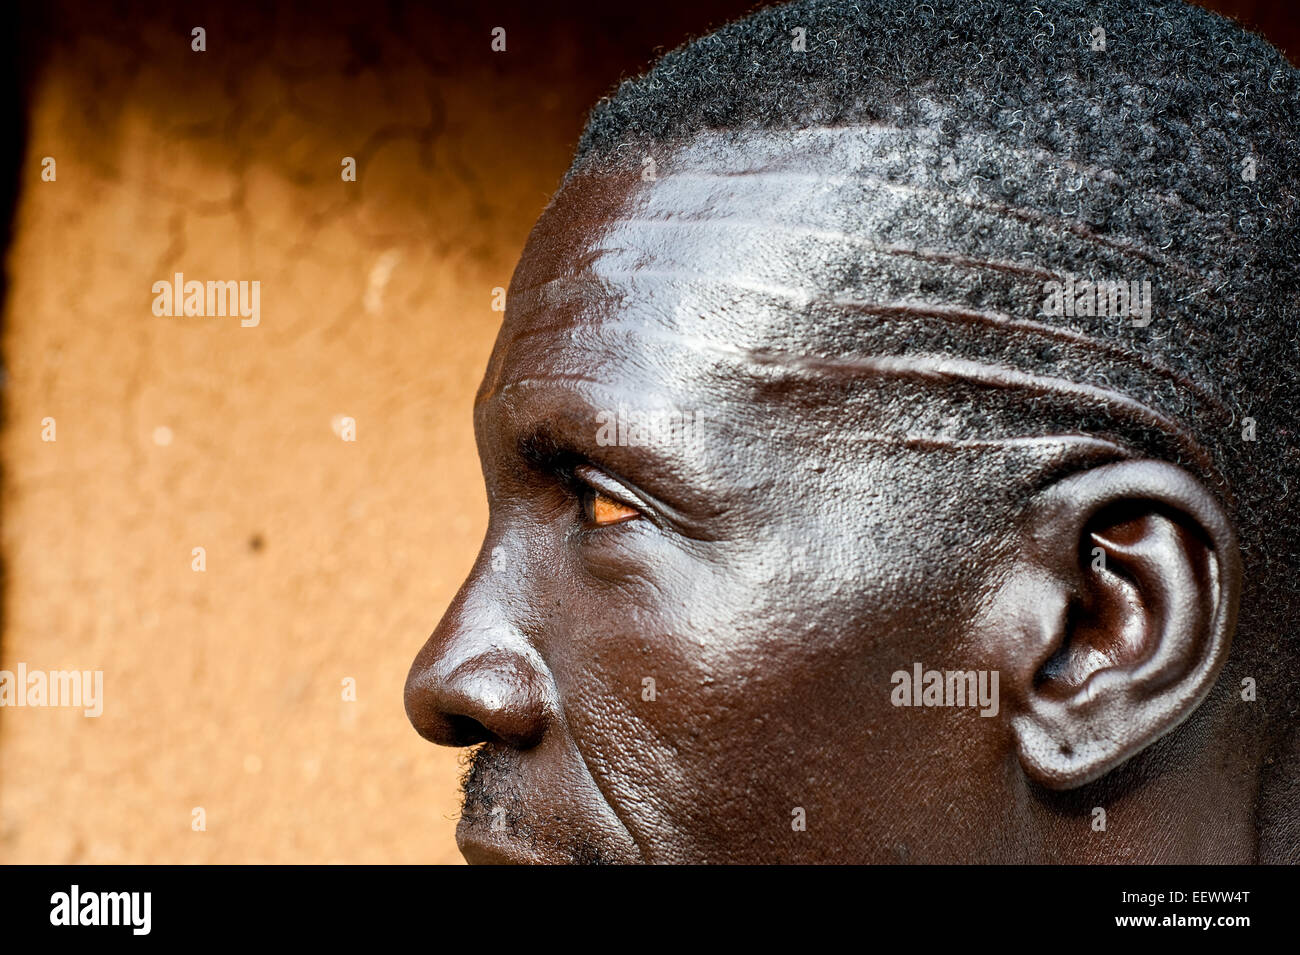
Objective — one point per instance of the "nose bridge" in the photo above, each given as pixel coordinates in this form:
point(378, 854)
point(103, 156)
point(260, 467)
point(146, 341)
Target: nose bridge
point(478, 678)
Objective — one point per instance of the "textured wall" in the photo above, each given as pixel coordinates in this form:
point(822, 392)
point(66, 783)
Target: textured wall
point(325, 559)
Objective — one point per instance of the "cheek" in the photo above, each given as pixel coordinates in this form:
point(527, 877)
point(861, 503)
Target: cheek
point(722, 693)
point(715, 696)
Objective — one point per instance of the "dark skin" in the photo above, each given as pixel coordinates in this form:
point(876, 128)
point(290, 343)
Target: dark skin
point(771, 576)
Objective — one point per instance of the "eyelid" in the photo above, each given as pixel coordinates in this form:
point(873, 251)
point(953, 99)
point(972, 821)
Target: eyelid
point(660, 515)
point(605, 485)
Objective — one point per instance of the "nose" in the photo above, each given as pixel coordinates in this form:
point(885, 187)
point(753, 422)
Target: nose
point(477, 679)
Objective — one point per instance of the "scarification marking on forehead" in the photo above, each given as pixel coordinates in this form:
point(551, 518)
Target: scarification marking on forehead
point(903, 310)
point(936, 370)
point(928, 442)
point(824, 250)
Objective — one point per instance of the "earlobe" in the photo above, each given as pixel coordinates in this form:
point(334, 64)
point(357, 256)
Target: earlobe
point(1117, 617)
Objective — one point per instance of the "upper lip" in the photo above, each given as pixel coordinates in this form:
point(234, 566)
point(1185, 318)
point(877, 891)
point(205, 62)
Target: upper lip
point(482, 850)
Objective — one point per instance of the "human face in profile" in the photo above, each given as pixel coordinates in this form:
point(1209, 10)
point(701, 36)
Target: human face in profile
point(680, 649)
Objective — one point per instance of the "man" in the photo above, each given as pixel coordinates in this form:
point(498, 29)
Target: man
point(974, 327)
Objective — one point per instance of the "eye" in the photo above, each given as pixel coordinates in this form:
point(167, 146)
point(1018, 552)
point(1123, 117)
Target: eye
point(600, 506)
point(606, 510)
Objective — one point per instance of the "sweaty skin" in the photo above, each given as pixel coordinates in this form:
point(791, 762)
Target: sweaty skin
point(671, 651)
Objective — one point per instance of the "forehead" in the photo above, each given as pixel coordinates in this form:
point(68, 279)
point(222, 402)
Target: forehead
point(697, 265)
point(889, 281)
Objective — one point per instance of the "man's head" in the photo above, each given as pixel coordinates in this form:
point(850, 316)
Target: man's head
point(869, 340)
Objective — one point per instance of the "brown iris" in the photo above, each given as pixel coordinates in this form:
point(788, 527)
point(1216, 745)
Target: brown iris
point(605, 510)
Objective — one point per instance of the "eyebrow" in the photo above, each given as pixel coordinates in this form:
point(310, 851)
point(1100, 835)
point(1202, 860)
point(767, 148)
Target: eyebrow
point(564, 437)
point(546, 448)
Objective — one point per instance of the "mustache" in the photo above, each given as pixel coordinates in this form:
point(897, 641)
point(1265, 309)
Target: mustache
point(487, 796)
point(490, 799)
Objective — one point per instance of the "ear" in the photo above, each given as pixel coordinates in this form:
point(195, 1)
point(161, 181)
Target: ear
point(1116, 618)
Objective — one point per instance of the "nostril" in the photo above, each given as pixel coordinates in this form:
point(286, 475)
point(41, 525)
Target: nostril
point(496, 695)
point(465, 730)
